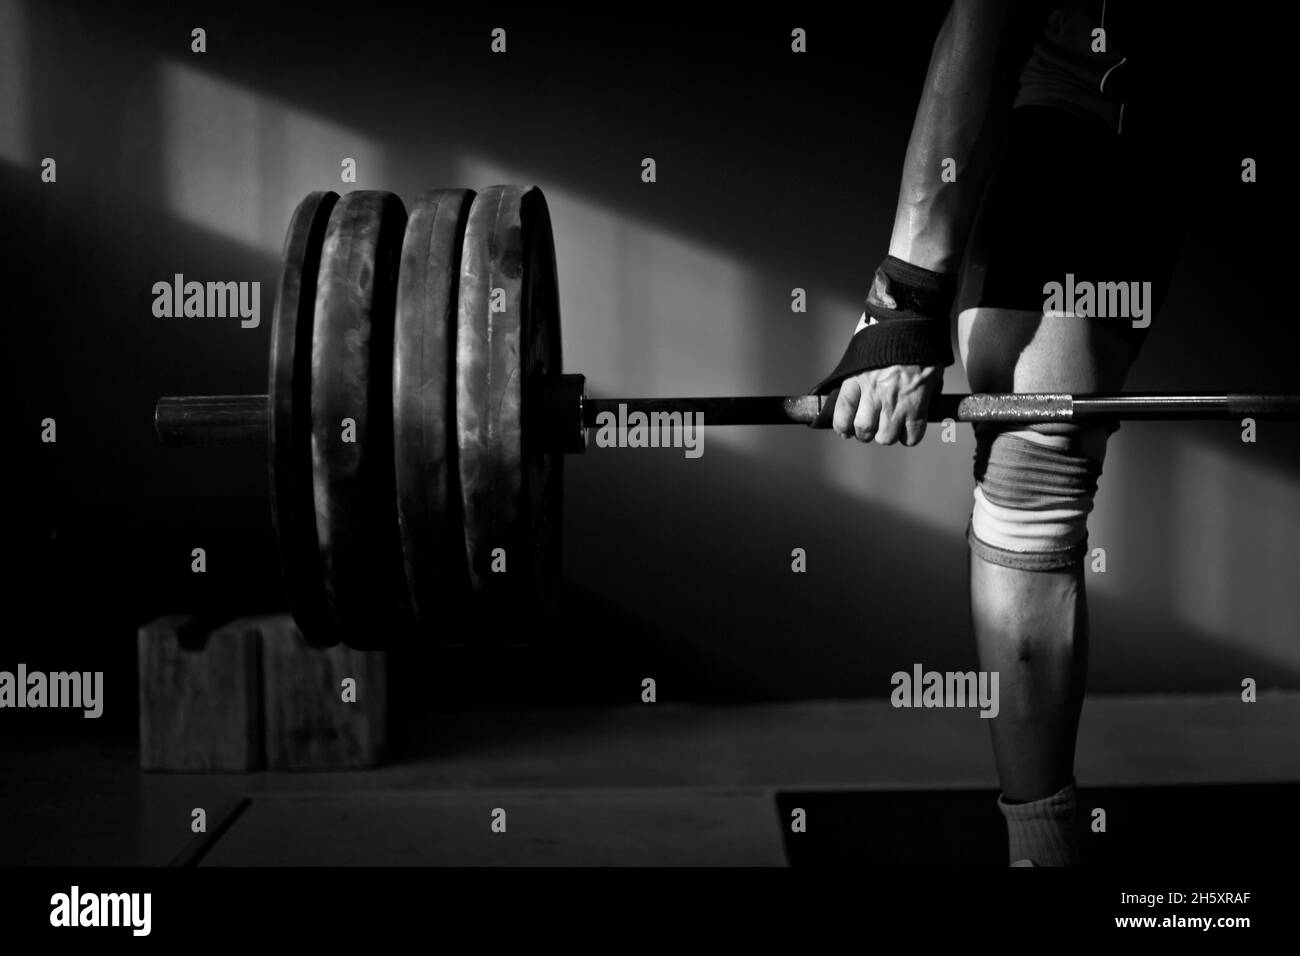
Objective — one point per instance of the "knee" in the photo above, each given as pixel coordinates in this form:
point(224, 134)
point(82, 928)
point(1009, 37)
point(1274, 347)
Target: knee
point(1034, 490)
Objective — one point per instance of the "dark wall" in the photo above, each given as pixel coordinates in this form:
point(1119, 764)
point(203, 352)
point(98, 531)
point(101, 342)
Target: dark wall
point(774, 171)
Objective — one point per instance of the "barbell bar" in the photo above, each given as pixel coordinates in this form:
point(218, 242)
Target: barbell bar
point(437, 334)
point(242, 419)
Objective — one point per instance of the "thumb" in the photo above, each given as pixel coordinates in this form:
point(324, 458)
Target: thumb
point(826, 416)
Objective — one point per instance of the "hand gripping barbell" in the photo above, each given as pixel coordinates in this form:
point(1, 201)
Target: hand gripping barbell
point(438, 337)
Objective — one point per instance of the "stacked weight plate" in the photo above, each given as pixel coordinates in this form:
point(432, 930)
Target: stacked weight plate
point(409, 356)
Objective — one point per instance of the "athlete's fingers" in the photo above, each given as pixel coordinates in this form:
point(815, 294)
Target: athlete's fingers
point(846, 407)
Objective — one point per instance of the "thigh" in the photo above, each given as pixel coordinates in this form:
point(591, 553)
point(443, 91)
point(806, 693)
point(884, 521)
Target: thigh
point(1012, 350)
point(1052, 214)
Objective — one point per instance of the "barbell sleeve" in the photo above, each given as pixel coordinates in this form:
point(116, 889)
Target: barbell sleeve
point(213, 420)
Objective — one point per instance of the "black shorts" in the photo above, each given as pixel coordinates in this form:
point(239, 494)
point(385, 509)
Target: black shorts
point(1070, 198)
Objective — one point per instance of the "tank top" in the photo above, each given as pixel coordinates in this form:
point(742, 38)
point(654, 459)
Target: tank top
point(1074, 67)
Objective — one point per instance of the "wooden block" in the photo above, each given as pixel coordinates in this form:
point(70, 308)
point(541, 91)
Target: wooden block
point(309, 726)
point(200, 696)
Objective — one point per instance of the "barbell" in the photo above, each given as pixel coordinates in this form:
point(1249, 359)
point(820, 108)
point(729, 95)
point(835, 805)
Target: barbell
point(418, 412)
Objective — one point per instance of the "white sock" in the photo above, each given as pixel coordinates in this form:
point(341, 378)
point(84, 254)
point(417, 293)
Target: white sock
point(1043, 830)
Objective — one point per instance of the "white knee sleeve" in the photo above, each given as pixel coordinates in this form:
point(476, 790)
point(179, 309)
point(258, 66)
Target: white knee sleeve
point(1033, 495)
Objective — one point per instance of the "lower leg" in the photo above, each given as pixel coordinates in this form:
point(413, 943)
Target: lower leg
point(1032, 628)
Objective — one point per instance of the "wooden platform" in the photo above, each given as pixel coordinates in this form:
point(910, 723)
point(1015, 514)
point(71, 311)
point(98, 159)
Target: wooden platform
point(671, 827)
point(738, 827)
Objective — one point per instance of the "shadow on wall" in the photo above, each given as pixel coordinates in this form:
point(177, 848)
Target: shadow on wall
point(768, 167)
point(701, 569)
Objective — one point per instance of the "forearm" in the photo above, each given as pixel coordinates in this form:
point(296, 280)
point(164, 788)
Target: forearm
point(960, 107)
point(905, 321)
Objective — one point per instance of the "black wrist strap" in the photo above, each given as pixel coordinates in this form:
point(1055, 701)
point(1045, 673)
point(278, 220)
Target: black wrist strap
point(901, 342)
point(921, 291)
point(910, 306)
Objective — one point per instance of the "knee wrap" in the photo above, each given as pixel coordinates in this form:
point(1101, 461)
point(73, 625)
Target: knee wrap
point(1033, 494)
